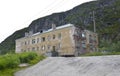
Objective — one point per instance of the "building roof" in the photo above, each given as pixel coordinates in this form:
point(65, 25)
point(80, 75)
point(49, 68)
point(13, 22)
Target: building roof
point(49, 30)
point(59, 27)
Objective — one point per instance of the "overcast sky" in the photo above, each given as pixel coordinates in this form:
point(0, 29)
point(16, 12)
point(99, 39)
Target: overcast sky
point(18, 14)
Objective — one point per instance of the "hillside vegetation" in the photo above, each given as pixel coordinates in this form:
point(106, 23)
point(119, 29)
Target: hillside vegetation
point(107, 16)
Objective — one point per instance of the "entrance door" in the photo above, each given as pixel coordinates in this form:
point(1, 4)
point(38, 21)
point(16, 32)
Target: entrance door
point(54, 48)
point(54, 52)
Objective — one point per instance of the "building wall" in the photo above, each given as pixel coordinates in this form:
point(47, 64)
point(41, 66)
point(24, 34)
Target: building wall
point(91, 41)
point(63, 42)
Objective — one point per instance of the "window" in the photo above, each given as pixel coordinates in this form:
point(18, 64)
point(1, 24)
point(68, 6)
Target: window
point(59, 36)
point(28, 49)
point(48, 47)
point(21, 43)
point(37, 48)
point(33, 41)
point(43, 48)
point(83, 45)
point(43, 39)
point(41, 31)
point(83, 35)
point(33, 49)
point(59, 45)
point(22, 50)
point(48, 38)
point(53, 36)
point(37, 40)
point(25, 43)
point(28, 42)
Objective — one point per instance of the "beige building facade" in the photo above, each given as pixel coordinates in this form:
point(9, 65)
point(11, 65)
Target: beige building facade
point(66, 40)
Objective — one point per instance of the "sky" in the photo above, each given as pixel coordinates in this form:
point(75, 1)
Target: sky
point(18, 14)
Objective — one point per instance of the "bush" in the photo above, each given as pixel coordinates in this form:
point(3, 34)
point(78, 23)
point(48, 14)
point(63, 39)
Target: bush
point(2, 63)
point(27, 57)
point(113, 47)
point(9, 61)
point(39, 58)
point(13, 60)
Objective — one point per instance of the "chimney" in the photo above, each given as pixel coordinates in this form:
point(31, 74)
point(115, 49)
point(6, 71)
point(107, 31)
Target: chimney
point(53, 26)
point(26, 34)
point(30, 33)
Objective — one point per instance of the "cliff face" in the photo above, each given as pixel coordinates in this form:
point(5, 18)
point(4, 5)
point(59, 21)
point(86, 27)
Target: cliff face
point(107, 16)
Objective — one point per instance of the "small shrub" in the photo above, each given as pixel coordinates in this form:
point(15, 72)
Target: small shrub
point(27, 57)
point(39, 58)
point(2, 63)
point(12, 61)
point(9, 61)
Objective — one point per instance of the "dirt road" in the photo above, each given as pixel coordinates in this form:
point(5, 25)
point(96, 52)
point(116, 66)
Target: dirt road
point(75, 66)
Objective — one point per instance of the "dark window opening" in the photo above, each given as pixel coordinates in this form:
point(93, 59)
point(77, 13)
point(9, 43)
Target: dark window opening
point(43, 39)
point(53, 36)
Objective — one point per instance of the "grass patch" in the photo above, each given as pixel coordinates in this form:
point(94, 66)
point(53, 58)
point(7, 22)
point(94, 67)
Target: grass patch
point(101, 53)
point(9, 62)
point(8, 72)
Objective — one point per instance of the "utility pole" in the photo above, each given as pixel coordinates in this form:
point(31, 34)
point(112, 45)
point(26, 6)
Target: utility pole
point(94, 21)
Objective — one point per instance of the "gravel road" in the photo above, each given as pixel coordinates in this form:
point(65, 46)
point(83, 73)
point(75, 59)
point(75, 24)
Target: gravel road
point(75, 66)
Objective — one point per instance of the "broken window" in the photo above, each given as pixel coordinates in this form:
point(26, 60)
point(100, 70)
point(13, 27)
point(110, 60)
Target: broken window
point(43, 47)
point(43, 39)
point(83, 34)
point(83, 45)
point(53, 36)
point(33, 41)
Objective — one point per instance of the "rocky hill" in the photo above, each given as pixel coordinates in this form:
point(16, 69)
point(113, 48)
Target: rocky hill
point(107, 16)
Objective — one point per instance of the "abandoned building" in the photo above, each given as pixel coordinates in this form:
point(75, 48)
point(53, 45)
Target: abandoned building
point(66, 40)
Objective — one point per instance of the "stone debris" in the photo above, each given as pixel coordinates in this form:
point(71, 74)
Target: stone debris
point(23, 65)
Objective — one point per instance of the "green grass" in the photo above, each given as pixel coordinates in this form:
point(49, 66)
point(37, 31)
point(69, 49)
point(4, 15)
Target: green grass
point(101, 54)
point(8, 72)
point(7, 62)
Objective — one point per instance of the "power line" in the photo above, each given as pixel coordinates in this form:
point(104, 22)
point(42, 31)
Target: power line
point(52, 5)
point(43, 12)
